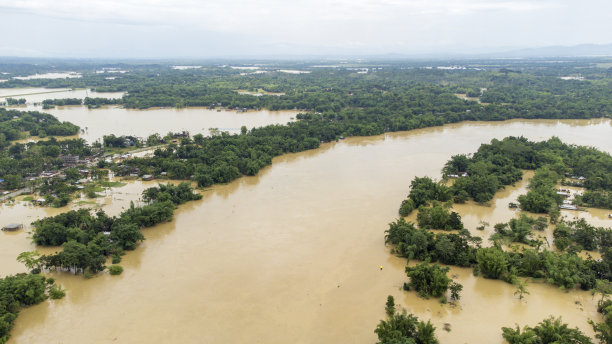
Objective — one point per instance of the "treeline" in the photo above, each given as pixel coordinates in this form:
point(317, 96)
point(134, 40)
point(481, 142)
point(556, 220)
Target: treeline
point(15, 124)
point(87, 239)
point(223, 158)
point(14, 101)
point(50, 103)
point(92, 103)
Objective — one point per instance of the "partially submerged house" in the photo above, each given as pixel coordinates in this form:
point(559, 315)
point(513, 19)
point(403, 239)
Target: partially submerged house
point(12, 227)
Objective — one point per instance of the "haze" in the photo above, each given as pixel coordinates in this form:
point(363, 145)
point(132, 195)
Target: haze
point(239, 28)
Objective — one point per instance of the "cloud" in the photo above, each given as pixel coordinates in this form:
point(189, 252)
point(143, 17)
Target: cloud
point(232, 15)
point(289, 26)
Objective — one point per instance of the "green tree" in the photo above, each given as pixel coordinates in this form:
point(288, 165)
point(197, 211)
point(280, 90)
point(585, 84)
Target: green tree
point(428, 279)
point(390, 306)
point(492, 262)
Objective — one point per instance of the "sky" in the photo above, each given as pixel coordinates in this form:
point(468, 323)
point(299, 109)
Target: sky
point(242, 28)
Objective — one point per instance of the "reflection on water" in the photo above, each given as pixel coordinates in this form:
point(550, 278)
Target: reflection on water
point(292, 255)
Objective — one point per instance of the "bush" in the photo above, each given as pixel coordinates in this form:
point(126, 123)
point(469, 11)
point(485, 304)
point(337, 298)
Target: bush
point(56, 292)
point(115, 270)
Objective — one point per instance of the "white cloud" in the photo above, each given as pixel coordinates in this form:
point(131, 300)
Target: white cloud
point(353, 25)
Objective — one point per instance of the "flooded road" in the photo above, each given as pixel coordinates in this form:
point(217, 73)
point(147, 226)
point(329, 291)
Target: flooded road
point(292, 255)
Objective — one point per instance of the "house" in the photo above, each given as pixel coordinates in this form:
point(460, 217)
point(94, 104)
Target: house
point(70, 159)
point(147, 177)
point(49, 174)
point(12, 227)
point(568, 207)
point(564, 194)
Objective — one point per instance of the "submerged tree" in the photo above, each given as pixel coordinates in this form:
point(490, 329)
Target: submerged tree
point(548, 331)
point(428, 279)
point(403, 328)
point(521, 289)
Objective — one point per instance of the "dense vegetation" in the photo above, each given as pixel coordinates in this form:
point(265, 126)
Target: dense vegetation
point(578, 235)
point(15, 124)
point(502, 161)
point(564, 269)
point(403, 328)
point(21, 161)
point(50, 103)
point(548, 331)
point(88, 239)
point(19, 291)
point(603, 330)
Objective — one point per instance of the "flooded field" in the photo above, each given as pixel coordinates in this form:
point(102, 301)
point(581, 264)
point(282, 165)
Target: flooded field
point(292, 255)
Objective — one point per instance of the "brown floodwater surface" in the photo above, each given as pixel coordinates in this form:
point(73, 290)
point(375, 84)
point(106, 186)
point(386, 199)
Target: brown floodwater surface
point(37, 95)
point(292, 255)
point(141, 123)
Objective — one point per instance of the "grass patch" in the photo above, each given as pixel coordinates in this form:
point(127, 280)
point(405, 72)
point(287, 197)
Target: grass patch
point(85, 202)
point(28, 198)
point(108, 184)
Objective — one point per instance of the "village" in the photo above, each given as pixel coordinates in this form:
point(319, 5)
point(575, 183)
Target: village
point(84, 174)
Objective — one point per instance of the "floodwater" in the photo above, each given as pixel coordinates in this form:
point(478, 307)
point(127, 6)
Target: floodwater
point(106, 120)
point(60, 75)
point(113, 201)
point(292, 255)
point(141, 123)
point(37, 95)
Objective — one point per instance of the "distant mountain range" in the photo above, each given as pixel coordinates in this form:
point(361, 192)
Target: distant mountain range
point(559, 51)
point(581, 50)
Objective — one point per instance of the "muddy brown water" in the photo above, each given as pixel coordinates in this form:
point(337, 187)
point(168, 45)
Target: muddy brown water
point(37, 95)
point(292, 255)
point(95, 123)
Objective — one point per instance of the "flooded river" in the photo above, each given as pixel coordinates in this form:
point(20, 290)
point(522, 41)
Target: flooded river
point(292, 255)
